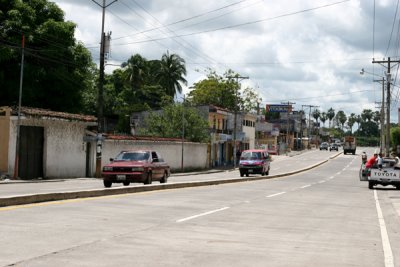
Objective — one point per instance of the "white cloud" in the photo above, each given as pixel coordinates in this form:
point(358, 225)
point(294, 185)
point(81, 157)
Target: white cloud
point(313, 57)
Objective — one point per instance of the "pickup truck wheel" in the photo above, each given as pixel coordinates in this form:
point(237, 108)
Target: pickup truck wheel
point(262, 172)
point(241, 174)
point(149, 178)
point(107, 183)
point(164, 178)
point(370, 185)
point(267, 172)
point(126, 183)
point(247, 174)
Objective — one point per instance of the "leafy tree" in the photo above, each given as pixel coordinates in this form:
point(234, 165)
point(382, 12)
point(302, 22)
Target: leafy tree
point(135, 71)
point(172, 119)
point(223, 92)
point(330, 114)
point(56, 68)
point(395, 136)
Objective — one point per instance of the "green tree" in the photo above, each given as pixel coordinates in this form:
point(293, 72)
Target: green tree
point(358, 121)
point(350, 122)
point(171, 73)
point(367, 115)
point(316, 114)
point(395, 136)
point(330, 114)
point(323, 118)
point(223, 91)
point(341, 117)
point(172, 119)
point(56, 68)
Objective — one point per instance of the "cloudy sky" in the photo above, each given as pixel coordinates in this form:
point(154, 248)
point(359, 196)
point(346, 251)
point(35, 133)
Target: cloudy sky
point(304, 51)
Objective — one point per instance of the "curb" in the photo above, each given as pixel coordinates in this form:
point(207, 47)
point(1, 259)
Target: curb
point(46, 197)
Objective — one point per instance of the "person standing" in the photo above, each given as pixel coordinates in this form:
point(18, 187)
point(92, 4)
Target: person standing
point(371, 162)
point(380, 161)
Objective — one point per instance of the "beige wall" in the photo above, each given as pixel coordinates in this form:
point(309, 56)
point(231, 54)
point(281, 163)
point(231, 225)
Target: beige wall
point(4, 138)
point(194, 154)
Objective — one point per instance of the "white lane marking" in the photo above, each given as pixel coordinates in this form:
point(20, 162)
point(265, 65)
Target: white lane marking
point(387, 250)
point(305, 186)
point(339, 173)
point(277, 194)
point(321, 182)
point(201, 214)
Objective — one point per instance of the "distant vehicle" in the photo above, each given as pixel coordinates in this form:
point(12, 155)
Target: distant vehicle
point(338, 143)
point(324, 145)
point(141, 166)
point(349, 145)
point(334, 146)
point(388, 175)
point(254, 161)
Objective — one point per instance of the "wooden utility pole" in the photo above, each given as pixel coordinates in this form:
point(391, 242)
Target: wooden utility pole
point(287, 124)
point(309, 123)
point(388, 80)
point(237, 77)
point(100, 96)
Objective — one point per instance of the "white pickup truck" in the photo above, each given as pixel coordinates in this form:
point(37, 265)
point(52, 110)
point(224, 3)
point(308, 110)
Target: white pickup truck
point(388, 175)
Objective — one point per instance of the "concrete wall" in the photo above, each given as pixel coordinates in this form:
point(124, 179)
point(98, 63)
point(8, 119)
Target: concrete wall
point(4, 139)
point(194, 154)
point(64, 150)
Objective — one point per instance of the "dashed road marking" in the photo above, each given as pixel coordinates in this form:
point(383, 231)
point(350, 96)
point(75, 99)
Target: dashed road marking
point(277, 194)
point(305, 186)
point(201, 214)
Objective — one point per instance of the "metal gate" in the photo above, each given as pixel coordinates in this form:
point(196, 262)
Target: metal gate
point(31, 152)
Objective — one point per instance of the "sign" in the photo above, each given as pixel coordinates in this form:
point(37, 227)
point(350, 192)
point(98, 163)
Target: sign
point(278, 108)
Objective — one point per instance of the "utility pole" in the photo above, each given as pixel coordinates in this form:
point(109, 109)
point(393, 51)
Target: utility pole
point(237, 77)
point(382, 119)
point(16, 162)
point(388, 79)
point(309, 123)
point(100, 98)
point(183, 130)
point(287, 129)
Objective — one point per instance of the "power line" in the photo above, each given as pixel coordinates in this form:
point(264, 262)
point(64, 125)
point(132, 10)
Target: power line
point(238, 25)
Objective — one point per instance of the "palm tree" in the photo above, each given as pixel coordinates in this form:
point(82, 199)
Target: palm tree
point(367, 115)
point(171, 73)
point(341, 117)
point(316, 115)
point(323, 118)
point(358, 120)
point(135, 71)
point(350, 121)
point(330, 114)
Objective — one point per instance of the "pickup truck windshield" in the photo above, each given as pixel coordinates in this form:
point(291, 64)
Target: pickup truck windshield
point(132, 156)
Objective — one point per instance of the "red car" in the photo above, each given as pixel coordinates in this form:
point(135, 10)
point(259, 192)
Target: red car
point(142, 166)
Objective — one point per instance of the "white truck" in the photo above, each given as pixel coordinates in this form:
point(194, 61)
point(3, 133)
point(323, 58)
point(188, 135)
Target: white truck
point(389, 174)
point(349, 145)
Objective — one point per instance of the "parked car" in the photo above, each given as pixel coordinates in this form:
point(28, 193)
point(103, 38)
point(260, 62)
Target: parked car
point(143, 166)
point(324, 145)
point(254, 161)
point(334, 146)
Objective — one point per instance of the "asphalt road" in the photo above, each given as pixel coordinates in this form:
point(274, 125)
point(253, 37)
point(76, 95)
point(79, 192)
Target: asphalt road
point(280, 165)
point(321, 217)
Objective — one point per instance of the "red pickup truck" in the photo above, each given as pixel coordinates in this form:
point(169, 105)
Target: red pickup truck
point(143, 166)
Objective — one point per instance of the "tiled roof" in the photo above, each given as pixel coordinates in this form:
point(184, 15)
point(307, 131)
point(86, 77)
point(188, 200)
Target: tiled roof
point(143, 138)
point(54, 114)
